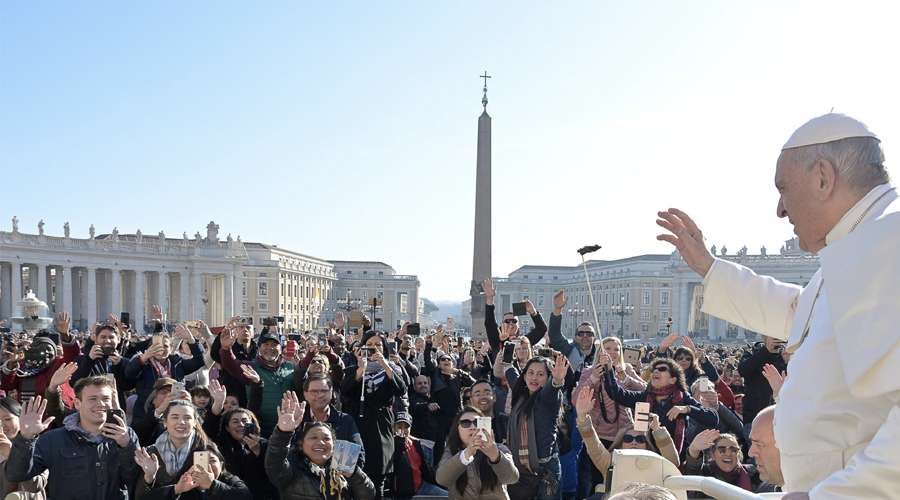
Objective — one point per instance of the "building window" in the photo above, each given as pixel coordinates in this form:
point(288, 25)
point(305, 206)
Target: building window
point(646, 299)
point(263, 306)
point(645, 328)
point(404, 303)
point(664, 297)
point(645, 315)
point(263, 275)
point(282, 289)
point(263, 289)
point(243, 288)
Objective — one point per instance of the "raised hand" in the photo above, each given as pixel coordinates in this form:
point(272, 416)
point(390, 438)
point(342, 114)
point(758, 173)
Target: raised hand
point(654, 422)
point(31, 422)
point(687, 238)
point(339, 320)
point(506, 331)
point(775, 379)
point(156, 313)
point(217, 391)
point(668, 341)
point(202, 478)
point(227, 338)
point(62, 375)
point(676, 411)
point(529, 308)
point(250, 374)
point(117, 431)
point(489, 291)
point(63, 321)
point(703, 441)
point(559, 302)
point(487, 445)
point(559, 370)
point(148, 463)
point(585, 401)
point(183, 333)
point(290, 412)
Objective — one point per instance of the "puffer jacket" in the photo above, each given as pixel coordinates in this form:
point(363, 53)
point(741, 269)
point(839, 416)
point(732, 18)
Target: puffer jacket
point(295, 482)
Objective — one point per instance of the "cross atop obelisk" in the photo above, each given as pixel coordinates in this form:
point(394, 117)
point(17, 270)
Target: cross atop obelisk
point(481, 257)
point(484, 100)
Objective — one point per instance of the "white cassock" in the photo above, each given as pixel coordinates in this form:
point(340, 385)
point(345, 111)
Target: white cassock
point(837, 422)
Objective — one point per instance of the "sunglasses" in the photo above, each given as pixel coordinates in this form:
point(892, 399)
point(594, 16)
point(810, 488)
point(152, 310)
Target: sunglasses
point(511, 321)
point(628, 438)
point(445, 359)
point(467, 423)
point(584, 334)
point(723, 449)
point(661, 368)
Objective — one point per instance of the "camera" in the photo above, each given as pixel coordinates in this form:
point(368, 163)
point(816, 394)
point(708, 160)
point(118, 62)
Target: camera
point(545, 352)
point(272, 320)
point(108, 350)
point(251, 428)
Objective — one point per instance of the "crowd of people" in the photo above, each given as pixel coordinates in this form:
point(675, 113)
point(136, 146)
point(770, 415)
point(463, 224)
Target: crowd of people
point(229, 412)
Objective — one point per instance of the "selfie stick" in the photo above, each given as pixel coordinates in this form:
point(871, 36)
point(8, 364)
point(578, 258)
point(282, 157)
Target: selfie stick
point(582, 251)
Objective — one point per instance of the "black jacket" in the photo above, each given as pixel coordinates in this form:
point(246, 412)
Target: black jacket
point(757, 391)
point(493, 331)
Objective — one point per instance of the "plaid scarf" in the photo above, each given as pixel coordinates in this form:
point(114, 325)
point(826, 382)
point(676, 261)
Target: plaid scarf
point(676, 396)
point(162, 370)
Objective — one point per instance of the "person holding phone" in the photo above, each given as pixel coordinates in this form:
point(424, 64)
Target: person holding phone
point(497, 335)
point(243, 449)
point(447, 384)
point(168, 464)
point(101, 355)
point(668, 396)
point(473, 465)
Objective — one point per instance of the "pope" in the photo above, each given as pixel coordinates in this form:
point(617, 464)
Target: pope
point(837, 422)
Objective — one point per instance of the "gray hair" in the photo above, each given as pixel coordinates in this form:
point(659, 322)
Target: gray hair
point(641, 491)
point(858, 160)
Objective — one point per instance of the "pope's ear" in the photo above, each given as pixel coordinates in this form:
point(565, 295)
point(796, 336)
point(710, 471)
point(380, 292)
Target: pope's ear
point(826, 176)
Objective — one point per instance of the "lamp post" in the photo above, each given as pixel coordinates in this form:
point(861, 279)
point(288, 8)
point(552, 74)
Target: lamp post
point(621, 310)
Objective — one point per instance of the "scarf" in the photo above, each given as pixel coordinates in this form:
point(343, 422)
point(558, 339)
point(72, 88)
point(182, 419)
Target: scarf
point(522, 438)
point(331, 483)
point(737, 477)
point(162, 370)
point(676, 396)
point(173, 457)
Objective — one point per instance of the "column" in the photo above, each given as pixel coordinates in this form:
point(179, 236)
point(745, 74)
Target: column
point(183, 297)
point(229, 296)
point(15, 287)
point(91, 296)
point(139, 307)
point(41, 276)
point(196, 295)
point(66, 286)
point(161, 290)
point(5, 280)
point(115, 305)
point(684, 309)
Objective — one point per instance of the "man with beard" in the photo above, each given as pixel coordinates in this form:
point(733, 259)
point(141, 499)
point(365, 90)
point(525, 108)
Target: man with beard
point(30, 376)
point(484, 399)
point(266, 378)
point(244, 350)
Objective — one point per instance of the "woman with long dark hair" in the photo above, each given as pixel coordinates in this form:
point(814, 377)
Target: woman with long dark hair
point(536, 399)
point(474, 466)
point(668, 397)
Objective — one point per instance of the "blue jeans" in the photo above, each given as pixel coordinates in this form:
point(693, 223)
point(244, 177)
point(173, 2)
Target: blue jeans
point(428, 489)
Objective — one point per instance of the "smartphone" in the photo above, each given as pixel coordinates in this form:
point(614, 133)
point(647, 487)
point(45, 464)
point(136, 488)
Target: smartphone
point(177, 387)
point(245, 321)
point(391, 347)
point(125, 318)
point(368, 351)
point(413, 329)
point(290, 348)
point(508, 350)
point(483, 423)
point(545, 352)
point(114, 412)
point(642, 416)
point(251, 429)
point(323, 340)
point(201, 458)
point(519, 309)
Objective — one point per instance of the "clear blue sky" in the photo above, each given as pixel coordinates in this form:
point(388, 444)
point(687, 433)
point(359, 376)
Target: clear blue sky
point(347, 130)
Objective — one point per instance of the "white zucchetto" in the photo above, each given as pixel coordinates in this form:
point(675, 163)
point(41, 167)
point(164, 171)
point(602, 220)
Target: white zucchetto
point(827, 128)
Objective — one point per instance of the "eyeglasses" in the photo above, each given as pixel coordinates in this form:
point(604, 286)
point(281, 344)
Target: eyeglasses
point(584, 334)
point(511, 321)
point(628, 438)
point(723, 449)
point(661, 368)
point(467, 423)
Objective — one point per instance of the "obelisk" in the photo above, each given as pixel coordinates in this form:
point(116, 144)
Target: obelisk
point(481, 257)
